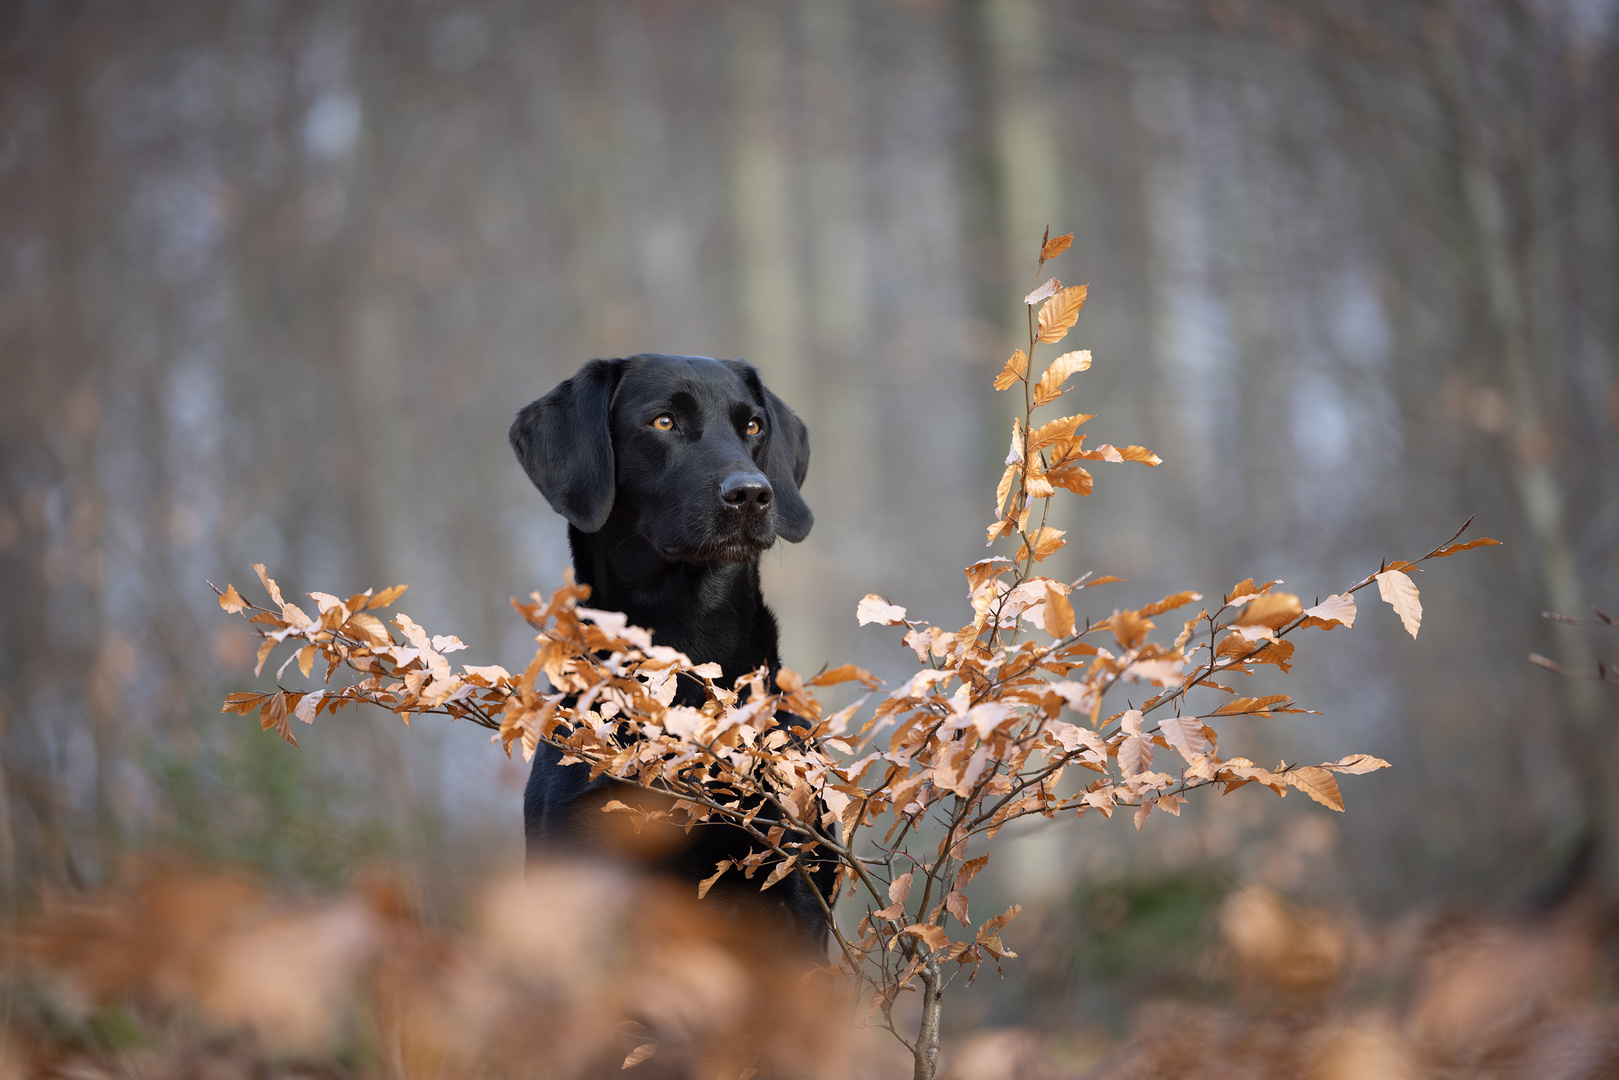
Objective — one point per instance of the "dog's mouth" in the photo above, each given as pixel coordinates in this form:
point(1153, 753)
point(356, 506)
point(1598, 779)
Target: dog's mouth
point(735, 549)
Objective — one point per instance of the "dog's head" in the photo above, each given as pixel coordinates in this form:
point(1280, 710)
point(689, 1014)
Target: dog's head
point(696, 455)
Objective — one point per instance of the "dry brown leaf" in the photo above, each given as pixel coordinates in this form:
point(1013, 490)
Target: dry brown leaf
point(1048, 289)
point(273, 714)
point(1134, 453)
point(1251, 706)
point(1135, 752)
point(1170, 603)
point(1273, 610)
point(1336, 610)
point(708, 882)
point(956, 903)
point(264, 654)
point(1049, 388)
point(1004, 488)
point(1035, 483)
point(241, 703)
point(1073, 477)
point(846, 673)
point(269, 584)
point(1317, 783)
point(1357, 763)
point(1451, 549)
point(1185, 734)
point(491, 674)
point(368, 628)
point(1279, 653)
point(307, 705)
point(781, 870)
point(1056, 246)
point(1401, 594)
point(1245, 590)
point(874, 609)
point(1056, 431)
point(639, 1054)
point(1129, 628)
point(231, 600)
point(969, 870)
point(994, 924)
point(387, 596)
point(1059, 614)
point(893, 913)
point(1016, 368)
point(1158, 670)
point(932, 936)
point(1059, 313)
point(1047, 541)
point(900, 888)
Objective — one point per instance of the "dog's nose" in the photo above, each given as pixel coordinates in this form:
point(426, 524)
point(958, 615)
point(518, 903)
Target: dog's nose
point(746, 491)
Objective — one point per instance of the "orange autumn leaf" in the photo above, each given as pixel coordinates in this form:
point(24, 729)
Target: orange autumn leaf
point(846, 673)
point(1017, 366)
point(1059, 313)
point(1451, 549)
point(1046, 540)
point(1049, 388)
point(1335, 610)
point(1059, 614)
point(1055, 431)
point(1255, 706)
point(934, 937)
point(1272, 610)
point(1317, 783)
point(1055, 246)
point(1357, 763)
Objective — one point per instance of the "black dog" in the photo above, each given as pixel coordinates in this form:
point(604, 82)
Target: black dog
point(675, 473)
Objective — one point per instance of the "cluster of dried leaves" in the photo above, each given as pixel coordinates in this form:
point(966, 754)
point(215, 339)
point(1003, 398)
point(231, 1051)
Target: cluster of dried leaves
point(1014, 715)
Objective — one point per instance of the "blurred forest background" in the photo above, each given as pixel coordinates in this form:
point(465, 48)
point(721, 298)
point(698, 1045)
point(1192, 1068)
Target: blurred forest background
point(275, 276)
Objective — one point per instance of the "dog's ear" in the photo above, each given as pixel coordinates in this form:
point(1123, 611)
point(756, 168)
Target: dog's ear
point(787, 454)
point(565, 444)
point(786, 464)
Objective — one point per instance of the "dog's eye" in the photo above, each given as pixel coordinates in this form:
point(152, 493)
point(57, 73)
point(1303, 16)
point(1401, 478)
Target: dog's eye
point(754, 428)
point(664, 423)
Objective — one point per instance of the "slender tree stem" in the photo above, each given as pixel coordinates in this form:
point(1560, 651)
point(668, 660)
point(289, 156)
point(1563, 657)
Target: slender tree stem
point(926, 1049)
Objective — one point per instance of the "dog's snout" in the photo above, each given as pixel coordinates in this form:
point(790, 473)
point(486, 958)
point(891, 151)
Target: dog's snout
point(746, 491)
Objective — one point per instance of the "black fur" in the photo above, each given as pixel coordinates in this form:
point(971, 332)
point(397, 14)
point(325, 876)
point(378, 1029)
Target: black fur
point(668, 527)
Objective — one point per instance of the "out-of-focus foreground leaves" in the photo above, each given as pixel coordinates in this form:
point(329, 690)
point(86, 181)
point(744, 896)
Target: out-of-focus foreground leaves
point(190, 972)
point(1440, 994)
point(1293, 991)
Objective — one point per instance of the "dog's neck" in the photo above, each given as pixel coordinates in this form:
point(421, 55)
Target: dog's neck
point(712, 612)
